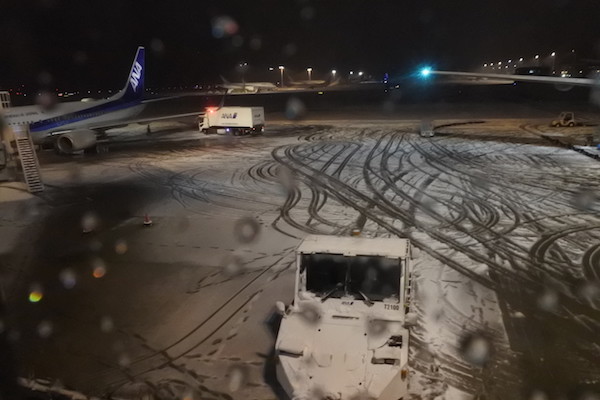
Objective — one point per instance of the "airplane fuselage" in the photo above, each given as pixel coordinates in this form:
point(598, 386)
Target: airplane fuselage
point(47, 122)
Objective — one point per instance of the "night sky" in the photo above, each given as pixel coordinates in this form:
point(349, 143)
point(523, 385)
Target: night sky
point(78, 44)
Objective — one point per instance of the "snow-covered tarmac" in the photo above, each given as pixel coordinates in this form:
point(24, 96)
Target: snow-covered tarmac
point(507, 291)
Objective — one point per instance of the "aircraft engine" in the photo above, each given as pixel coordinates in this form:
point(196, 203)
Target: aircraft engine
point(76, 140)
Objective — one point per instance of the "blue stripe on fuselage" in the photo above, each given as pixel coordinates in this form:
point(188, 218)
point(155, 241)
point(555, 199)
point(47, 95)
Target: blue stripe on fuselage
point(81, 115)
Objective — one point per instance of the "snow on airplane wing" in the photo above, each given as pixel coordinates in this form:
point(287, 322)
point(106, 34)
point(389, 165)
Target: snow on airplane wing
point(524, 78)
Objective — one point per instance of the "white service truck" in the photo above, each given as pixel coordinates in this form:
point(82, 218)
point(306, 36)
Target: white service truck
point(233, 120)
point(345, 336)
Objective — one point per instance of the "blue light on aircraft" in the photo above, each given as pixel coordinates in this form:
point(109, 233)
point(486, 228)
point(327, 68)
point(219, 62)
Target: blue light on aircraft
point(425, 72)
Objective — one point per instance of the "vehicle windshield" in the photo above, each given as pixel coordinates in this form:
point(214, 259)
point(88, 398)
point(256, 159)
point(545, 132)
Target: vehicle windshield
point(337, 276)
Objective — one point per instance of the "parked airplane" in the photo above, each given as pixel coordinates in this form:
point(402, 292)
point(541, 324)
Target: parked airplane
point(313, 83)
point(75, 126)
point(247, 87)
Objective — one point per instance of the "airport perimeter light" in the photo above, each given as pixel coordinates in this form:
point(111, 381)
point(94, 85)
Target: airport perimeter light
point(281, 68)
point(309, 70)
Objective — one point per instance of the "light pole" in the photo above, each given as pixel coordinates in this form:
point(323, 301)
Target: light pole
point(281, 68)
point(553, 55)
point(309, 70)
point(333, 72)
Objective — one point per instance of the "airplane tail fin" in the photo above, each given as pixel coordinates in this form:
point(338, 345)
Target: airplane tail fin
point(134, 87)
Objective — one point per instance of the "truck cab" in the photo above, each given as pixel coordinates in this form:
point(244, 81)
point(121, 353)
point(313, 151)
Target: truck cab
point(344, 336)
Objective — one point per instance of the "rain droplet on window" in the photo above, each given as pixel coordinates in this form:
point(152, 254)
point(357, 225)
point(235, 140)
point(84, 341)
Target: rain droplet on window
point(124, 360)
point(68, 278)
point(294, 109)
point(121, 246)
point(223, 26)
point(35, 293)
point(475, 349)
point(233, 266)
point(246, 230)
point(106, 324)
point(237, 377)
point(157, 46)
point(548, 300)
point(98, 268)
point(89, 222)
point(45, 329)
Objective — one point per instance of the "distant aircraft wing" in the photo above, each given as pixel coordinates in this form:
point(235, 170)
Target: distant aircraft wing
point(524, 78)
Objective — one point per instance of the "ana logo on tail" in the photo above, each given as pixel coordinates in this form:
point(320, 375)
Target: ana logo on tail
point(136, 74)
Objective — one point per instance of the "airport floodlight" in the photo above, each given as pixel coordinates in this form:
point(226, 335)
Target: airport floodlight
point(553, 54)
point(351, 72)
point(537, 56)
point(281, 68)
point(509, 61)
point(309, 71)
point(485, 65)
point(333, 71)
point(521, 59)
point(360, 73)
point(492, 64)
point(499, 62)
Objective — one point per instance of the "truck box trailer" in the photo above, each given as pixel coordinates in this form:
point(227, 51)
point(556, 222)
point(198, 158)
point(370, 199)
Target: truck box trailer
point(233, 120)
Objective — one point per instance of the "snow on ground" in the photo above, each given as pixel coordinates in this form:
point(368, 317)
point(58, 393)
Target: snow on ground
point(504, 220)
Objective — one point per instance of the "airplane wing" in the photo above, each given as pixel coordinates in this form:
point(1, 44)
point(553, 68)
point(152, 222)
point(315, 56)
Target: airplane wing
point(587, 82)
point(115, 124)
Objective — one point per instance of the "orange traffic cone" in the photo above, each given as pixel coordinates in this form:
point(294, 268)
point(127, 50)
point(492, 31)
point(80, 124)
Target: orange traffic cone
point(147, 220)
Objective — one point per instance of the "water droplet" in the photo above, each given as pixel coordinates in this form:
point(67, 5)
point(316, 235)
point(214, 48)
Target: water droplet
point(376, 327)
point(89, 222)
point(538, 395)
point(106, 324)
point(475, 349)
point(255, 43)
point(124, 360)
point(246, 230)
point(46, 100)
point(294, 108)
point(68, 278)
point(238, 377)
point(290, 49)
point(45, 329)
point(233, 266)
point(310, 313)
point(98, 268)
point(307, 13)
point(548, 301)
point(223, 26)
point(157, 46)
point(35, 293)
point(121, 246)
